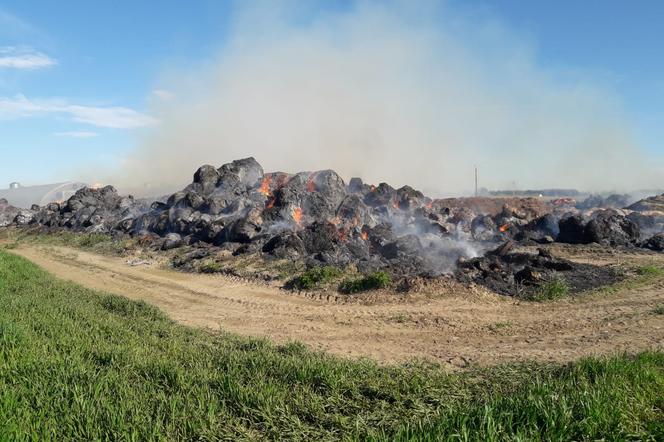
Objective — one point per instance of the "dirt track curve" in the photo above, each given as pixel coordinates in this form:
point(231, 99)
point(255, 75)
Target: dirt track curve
point(451, 324)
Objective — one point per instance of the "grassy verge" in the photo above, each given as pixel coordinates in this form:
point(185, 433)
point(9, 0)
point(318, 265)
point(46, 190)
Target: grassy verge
point(643, 276)
point(95, 242)
point(82, 365)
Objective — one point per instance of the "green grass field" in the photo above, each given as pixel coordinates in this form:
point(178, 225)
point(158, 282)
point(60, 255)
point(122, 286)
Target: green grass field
point(82, 365)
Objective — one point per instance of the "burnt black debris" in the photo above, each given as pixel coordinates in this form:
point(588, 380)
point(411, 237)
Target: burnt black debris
point(508, 271)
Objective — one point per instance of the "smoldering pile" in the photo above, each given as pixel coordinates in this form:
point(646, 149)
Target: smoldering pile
point(310, 216)
point(317, 219)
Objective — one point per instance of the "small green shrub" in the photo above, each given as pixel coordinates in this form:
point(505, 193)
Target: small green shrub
point(314, 277)
point(210, 267)
point(659, 310)
point(649, 270)
point(376, 280)
point(556, 288)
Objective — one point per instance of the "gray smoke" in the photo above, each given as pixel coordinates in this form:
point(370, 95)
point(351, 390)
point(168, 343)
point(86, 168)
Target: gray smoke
point(390, 93)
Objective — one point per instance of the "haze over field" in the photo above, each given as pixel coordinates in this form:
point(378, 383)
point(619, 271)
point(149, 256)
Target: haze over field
point(395, 94)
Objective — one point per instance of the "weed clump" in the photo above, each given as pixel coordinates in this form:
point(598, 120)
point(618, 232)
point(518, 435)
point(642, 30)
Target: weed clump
point(556, 288)
point(376, 280)
point(314, 277)
point(210, 267)
point(649, 270)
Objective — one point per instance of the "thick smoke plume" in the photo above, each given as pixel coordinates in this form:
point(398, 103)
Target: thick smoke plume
point(390, 94)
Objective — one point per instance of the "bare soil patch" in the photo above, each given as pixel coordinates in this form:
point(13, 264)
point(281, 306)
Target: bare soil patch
point(443, 321)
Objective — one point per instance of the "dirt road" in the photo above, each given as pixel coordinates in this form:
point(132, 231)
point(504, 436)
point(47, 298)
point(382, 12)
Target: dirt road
point(450, 324)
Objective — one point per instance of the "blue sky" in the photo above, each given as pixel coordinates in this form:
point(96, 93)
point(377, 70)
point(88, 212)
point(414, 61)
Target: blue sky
point(77, 78)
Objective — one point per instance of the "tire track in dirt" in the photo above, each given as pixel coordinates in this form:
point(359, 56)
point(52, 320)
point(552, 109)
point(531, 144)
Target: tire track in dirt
point(454, 324)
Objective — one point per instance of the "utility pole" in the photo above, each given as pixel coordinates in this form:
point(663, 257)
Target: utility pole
point(476, 195)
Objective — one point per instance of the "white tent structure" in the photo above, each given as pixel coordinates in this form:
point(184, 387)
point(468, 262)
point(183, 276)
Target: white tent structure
point(26, 196)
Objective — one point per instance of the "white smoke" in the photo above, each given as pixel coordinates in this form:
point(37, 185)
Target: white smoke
point(389, 93)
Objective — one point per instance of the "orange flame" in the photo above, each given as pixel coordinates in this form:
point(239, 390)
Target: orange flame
point(395, 204)
point(429, 205)
point(270, 203)
point(504, 228)
point(311, 186)
point(342, 234)
point(265, 186)
point(372, 188)
point(364, 235)
point(297, 215)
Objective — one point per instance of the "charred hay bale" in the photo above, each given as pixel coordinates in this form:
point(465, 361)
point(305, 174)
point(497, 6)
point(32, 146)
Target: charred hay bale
point(208, 229)
point(408, 198)
point(188, 199)
point(125, 225)
point(293, 193)
point(321, 237)
point(244, 230)
point(204, 182)
point(159, 223)
point(571, 230)
point(106, 197)
point(317, 195)
point(462, 217)
point(24, 217)
point(483, 228)
point(239, 206)
point(408, 245)
point(285, 245)
point(175, 199)
point(655, 243)
point(94, 210)
point(353, 211)
point(172, 241)
point(358, 248)
point(48, 216)
point(218, 203)
point(380, 235)
point(159, 206)
point(383, 195)
point(611, 229)
point(542, 230)
point(241, 175)
point(82, 217)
